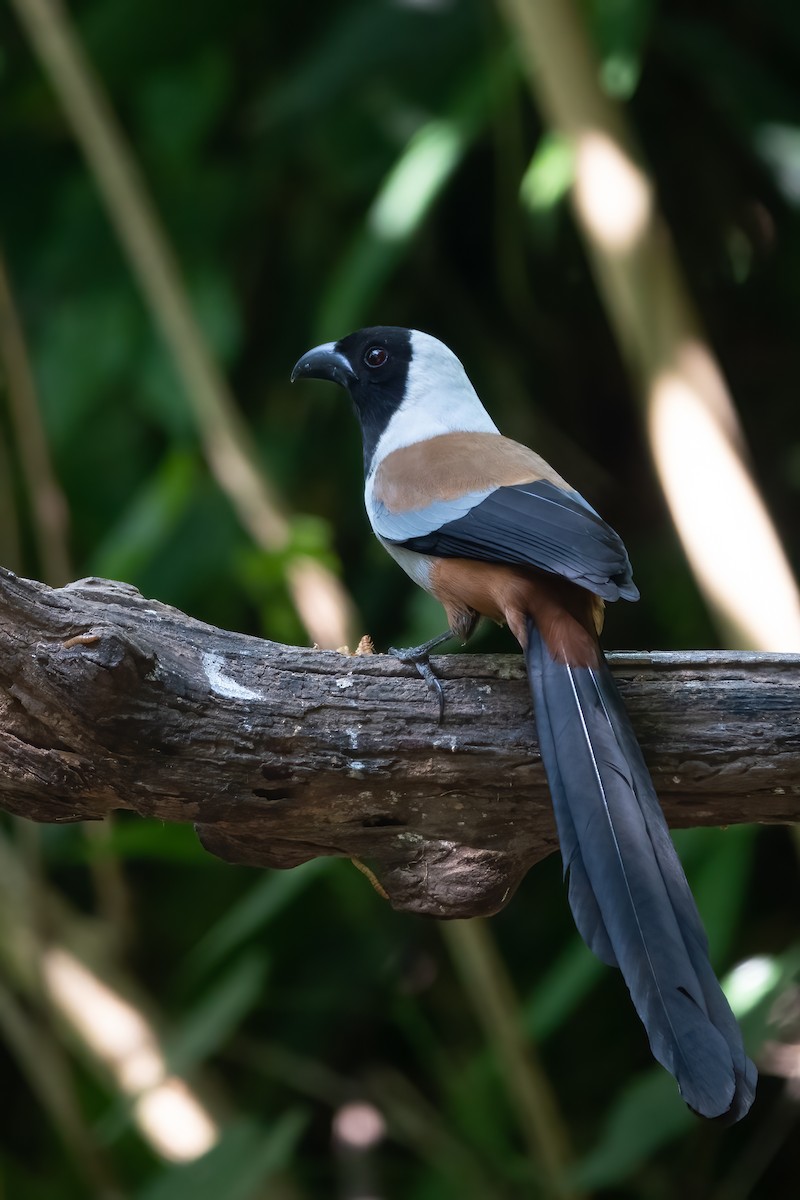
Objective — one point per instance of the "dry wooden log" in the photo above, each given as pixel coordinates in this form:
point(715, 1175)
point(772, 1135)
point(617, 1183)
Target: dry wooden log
point(279, 754)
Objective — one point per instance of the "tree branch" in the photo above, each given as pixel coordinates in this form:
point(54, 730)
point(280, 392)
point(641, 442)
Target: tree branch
point(280, 754)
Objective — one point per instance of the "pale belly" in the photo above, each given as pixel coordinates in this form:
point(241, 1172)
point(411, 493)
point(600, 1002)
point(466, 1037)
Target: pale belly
point(417, 566)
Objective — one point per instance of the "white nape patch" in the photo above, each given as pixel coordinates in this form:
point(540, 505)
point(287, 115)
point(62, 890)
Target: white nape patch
point(222, 684)
point(439, 398)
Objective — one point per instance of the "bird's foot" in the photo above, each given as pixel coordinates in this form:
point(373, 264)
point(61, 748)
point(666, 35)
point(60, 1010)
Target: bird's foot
point(419, 656)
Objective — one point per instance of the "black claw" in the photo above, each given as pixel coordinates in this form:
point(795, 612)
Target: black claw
point(418, 655)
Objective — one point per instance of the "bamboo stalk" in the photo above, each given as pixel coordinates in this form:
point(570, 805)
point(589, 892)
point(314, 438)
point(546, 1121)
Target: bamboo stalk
point(47, 501)
point(488, 985)
point(42, 1060)
point(320, 598)
point(693, 429)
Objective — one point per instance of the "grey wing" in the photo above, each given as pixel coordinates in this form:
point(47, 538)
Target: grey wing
point(534, 524)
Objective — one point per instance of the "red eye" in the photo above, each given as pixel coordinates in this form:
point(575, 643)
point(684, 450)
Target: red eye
point(376, 356)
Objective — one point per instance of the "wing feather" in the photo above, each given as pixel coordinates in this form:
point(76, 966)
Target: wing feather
point(536, 524)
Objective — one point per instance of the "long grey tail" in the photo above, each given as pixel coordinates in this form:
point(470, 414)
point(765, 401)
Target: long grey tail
point(627, 889)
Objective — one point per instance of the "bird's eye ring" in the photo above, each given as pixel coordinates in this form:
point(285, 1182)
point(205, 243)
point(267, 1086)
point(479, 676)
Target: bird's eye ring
point(376, 356)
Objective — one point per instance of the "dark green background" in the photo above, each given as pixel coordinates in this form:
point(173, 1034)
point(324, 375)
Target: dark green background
point(265, 132)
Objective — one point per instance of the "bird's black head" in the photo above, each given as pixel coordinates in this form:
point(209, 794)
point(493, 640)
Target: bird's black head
point(372, 364)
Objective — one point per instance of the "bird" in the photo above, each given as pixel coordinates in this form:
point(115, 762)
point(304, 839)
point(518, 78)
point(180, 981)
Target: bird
point(489, 529)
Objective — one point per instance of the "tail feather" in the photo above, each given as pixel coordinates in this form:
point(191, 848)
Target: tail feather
point(585, 909)
point(627, 889)
point(682, 900)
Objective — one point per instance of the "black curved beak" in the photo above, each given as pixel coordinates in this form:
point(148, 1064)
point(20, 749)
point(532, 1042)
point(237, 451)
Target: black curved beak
point(325, 362)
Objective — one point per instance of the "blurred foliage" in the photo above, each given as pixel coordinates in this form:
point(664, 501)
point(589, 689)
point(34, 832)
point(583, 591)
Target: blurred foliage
point(319, 167)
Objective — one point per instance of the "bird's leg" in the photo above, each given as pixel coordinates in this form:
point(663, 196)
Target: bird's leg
point(420, 655)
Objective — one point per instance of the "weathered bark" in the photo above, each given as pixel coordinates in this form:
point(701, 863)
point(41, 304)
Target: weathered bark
point(280, 754)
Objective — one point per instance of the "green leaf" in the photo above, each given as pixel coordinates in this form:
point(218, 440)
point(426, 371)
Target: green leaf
point(126, 837)
point(648, 1115)
point(150, 518)
point(558, 993)
point(273, 893)
point(179, 105)
point(549, 175)
point(210, 1023)
point(719, 862)
point(409, 191)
